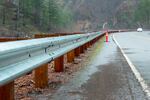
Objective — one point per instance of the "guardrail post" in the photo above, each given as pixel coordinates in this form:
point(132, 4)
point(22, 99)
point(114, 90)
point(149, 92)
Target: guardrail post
point(91, 42)
point(85, 48)
point(77, 51)
point(59, 64)
point(41, 76)
point(7, 91)
point(87, 45)
point(82, 49)
point(96, 39)
point(70, 56)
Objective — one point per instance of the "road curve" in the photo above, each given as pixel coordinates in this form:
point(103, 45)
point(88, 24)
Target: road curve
point(107, 76)
point(135, 48)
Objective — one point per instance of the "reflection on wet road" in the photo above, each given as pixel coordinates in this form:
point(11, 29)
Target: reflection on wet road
point(106, 76)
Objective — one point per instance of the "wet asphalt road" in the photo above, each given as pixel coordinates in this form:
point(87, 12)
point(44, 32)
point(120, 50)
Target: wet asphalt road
point(106, 76)
point(136, 46)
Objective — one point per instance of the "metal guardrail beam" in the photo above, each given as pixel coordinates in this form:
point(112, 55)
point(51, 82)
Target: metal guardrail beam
point(6, 39)
point(20, 57)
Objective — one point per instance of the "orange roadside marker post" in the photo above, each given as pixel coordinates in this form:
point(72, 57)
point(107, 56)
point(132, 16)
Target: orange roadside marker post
point(106, 35)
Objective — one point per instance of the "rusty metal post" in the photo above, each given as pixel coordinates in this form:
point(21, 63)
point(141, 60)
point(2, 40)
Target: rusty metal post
point(90, 43)
point(41, 73)
point(7, 91)
point(41, 76)
point(82, 49)
point(59, 64)
point(93, 41)
point(96, 39)
point(87, 45)
point(77, 51)
point(85, 48)
point(70, 56)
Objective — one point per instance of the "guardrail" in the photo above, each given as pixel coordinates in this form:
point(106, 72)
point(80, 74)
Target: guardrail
point(7, 39)
point(21, 57)
point(56, 34)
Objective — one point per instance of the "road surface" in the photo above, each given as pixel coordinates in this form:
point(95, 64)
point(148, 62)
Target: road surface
point(135, 45)
point(107, 75)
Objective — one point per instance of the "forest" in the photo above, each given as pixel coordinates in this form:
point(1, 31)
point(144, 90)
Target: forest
point(26, 17)
point(142, 13)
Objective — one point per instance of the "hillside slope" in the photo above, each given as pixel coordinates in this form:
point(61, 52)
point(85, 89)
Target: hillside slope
point(92, 14)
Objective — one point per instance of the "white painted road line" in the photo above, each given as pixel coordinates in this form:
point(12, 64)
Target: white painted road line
point(145, 87)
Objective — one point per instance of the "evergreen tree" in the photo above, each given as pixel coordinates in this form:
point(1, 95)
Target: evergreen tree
point(45, 15)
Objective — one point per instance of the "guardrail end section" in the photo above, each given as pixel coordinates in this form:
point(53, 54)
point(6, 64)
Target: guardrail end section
point(7, 91)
